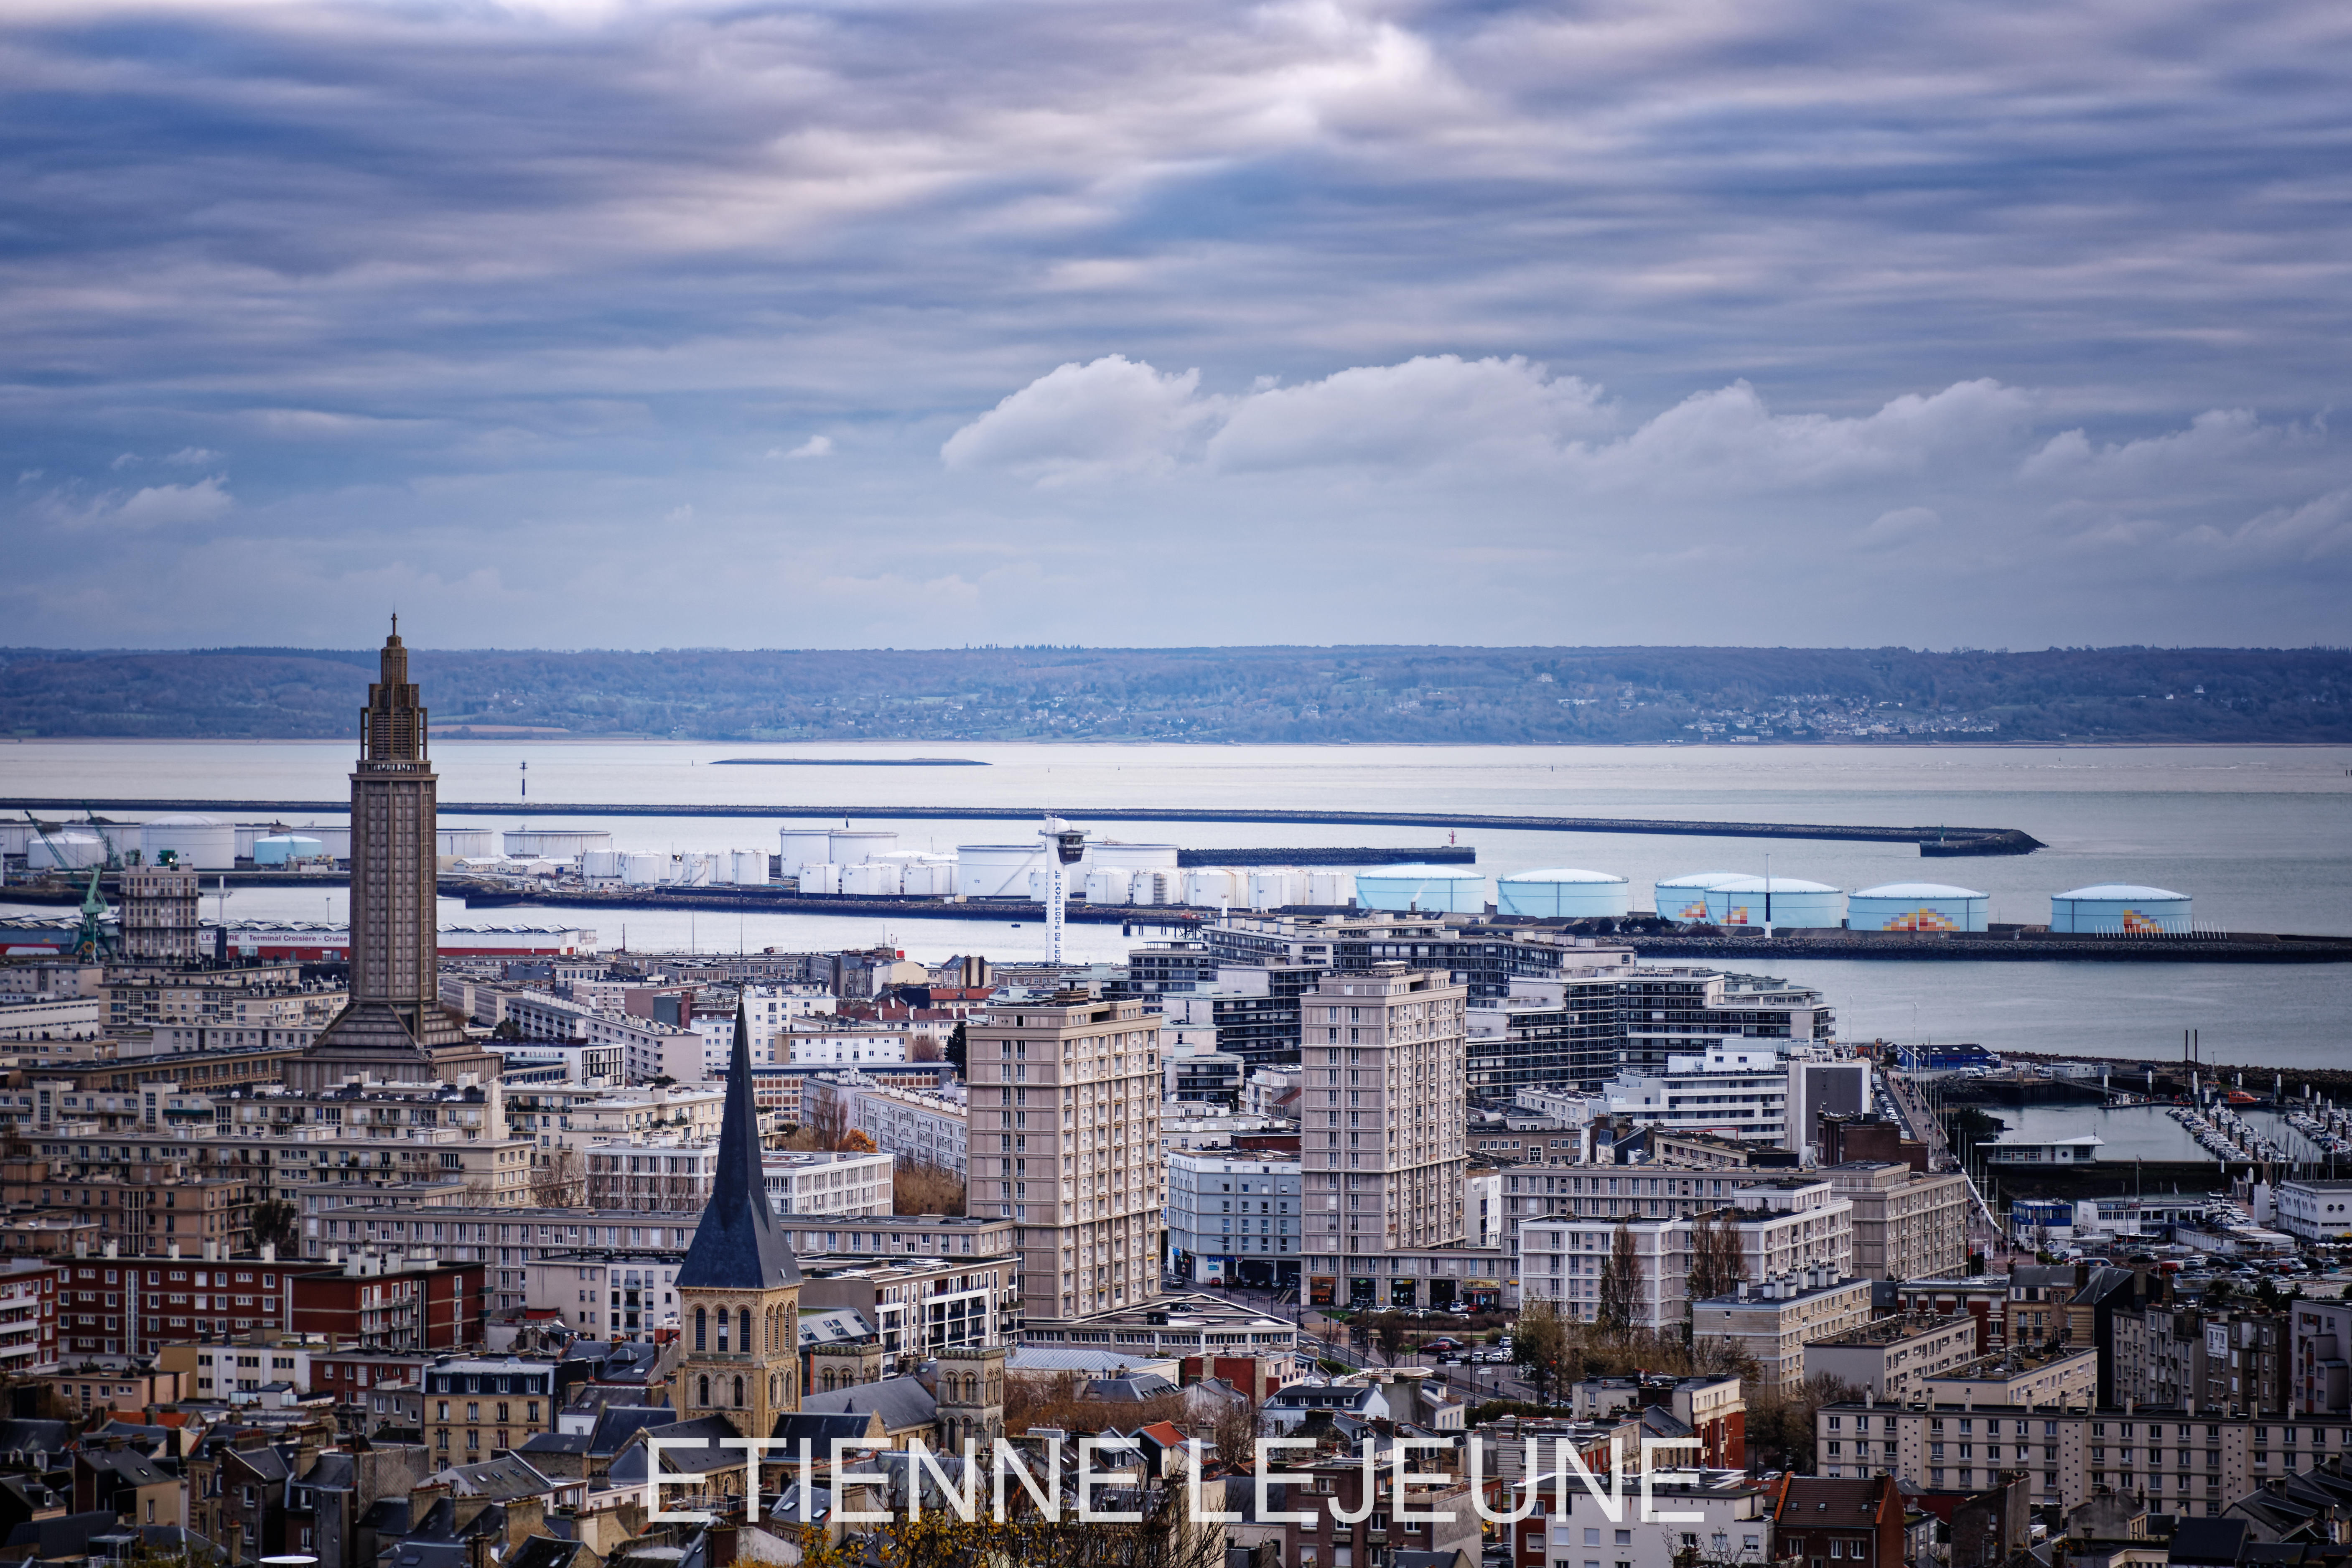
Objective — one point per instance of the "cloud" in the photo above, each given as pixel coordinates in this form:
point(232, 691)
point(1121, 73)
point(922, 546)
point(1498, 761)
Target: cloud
point(1431, 409)
point(815, 447)
point(1330, 281)
point(166, 505)
point(1118, 416)
point(1110, 418)
point(1904, 525)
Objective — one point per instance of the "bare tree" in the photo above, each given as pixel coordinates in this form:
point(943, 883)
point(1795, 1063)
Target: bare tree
point(276, 1222)
point(918, 1188)
point(1539, 1344)
point(1620, 1280)
point(559, 1179)
point(1716, 1266)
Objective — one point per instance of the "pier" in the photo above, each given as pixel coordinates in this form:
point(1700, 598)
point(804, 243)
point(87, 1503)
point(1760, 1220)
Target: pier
point(1931, 841)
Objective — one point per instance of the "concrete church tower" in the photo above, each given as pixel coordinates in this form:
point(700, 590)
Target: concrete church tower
point(739, 1290)
point(394, 1028)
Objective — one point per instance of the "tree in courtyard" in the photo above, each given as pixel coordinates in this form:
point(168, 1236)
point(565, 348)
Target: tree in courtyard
point(1539, 1344)
point(1621, 1282)
point(1388, 1332)
point(1715, 1267)
point(276, 1222)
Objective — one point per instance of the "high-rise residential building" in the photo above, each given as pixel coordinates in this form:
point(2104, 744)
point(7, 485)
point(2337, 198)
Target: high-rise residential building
point(395, 1027)
point(1064, 1141)
point(158, 914)
point(1384, 1113)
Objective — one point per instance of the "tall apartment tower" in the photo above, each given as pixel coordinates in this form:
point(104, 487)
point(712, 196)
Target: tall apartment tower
point(158, 914)
point(1064, 1141)
point(394, 1023)
point(1384, 1102)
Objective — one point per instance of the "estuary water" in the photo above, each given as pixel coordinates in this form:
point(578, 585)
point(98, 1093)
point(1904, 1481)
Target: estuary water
point(2260, 836)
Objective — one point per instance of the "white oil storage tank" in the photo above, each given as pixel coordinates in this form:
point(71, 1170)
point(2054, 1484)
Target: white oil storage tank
point(820, 877)
point(747, 868)
point(1563, 894)
point(803, 846)
point(471, 842)
point(996, 870)
point(1685, 898)
point(1440, 890)
point(927, 876)
point(556, 843)
point(1275, 887)
point(602, 865)
point(1210, 886)
point(855, 846)
point(1155, 886)
point(1109, 885)
point(1132, 857)
point(206, 843)
point(2120, 908)
point(1916, 906)
point(64, 848)
point(285, 848)
point(1790, 903)
point(693, 869)
point(871, 879)
point(1330, 889)
point(643, 868)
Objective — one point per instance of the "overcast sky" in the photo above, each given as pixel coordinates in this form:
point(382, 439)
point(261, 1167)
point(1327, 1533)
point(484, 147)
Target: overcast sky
point(1780, 322)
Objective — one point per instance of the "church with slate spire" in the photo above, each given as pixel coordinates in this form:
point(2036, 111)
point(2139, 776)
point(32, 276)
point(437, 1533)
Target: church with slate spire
point(739, 1290)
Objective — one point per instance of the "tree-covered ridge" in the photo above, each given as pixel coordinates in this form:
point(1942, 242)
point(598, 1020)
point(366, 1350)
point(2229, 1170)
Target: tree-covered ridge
point(1467, 695)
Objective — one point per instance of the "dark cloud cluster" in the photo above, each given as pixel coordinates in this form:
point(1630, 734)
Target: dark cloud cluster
point(634, 324)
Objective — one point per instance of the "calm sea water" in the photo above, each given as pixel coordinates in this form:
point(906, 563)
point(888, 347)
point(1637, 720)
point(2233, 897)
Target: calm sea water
point(2262, 838)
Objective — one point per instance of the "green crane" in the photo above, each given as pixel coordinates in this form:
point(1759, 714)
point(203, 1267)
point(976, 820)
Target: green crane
point(91, 942)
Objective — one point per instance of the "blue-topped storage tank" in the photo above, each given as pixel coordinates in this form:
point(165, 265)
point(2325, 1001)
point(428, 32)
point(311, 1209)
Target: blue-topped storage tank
point(1433, 890)
point(1685, 898)
point(2120, 908)
point(1563, 894)
point(1918, 906)
point(1791, 903)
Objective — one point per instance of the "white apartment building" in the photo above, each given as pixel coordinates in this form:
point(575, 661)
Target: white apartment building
point(649, 1048)
point(52, 1018)
point(1781, 1225)
point(1770, 1319)
point(1233, 1218)
point(2315, 1210)
point(1382, 1111)
point(1737, 1091)
point(565, 1116)
point(1482, 1208)
point(562, 1061)
point(2183, 1464)
point(847, 1046)
point(1721, 1516)
point(1065, 1142)
point(843, 1183)
point(920, 1127)
point(607, 1294)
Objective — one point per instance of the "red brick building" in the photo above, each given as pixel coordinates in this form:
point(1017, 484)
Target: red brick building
point(379, 1304)
point(1820, 1523)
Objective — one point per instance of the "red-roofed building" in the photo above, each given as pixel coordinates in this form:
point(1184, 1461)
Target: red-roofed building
point(1819, 1522)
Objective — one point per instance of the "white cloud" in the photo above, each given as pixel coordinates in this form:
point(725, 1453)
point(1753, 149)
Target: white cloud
point(169, 506)
point(1904, 525)
point(1429, 410)
point(1111, 416)
point(815, 447)
point(192, 457)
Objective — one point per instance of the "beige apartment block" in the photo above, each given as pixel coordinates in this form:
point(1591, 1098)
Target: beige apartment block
point(1382, 1111)
point(1907, 1225)
point(2019, 1377)
point(1894, 1357)
point(2183, 1464)
point(1771, 1320)
point(432, 1143)
point(1064, 1141)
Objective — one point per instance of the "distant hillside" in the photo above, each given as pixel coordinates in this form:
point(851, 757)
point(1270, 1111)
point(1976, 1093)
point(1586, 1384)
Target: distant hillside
point(1362, 694)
